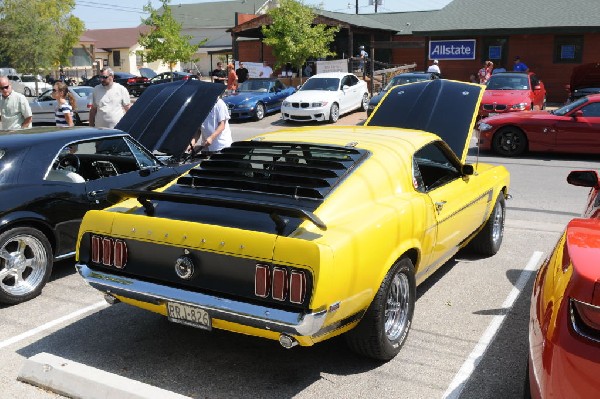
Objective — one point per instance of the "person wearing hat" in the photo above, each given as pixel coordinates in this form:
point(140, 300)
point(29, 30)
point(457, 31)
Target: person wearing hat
point(363, 55)
point(435, 68)
point(520, 66)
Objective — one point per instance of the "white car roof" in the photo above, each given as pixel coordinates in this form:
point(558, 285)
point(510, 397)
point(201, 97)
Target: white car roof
point(331, 75)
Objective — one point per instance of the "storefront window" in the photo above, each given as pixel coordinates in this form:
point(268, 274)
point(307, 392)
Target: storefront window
point(568, 49)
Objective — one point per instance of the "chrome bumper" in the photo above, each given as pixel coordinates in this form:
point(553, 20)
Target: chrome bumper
point(243, 313)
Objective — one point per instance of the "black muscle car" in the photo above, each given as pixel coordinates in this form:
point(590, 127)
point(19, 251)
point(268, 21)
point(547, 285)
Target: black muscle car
point(50, 177)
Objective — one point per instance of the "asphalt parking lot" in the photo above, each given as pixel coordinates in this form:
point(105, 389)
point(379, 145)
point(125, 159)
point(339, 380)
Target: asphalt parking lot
point(468, 339)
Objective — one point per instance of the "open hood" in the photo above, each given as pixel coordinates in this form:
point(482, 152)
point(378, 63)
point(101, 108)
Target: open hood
point(445, 107)
point(167, 115)
point(586, 75)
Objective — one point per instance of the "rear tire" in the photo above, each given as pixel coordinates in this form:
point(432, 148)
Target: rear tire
point(25, 264)
point(259, 112)
point(488, 241)
point(386, 323)
point(27, 92)
point(365, 102)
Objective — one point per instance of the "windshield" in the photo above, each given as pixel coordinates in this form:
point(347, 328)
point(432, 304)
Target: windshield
point(570, 107)
point(83, 91)
point(328, 84)
point(503, 82)
point(402, 79)
point(255, 85)
point(28, 78)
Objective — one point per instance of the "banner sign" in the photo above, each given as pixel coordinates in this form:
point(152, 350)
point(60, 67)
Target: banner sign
point(332, 66)
point(452, 49)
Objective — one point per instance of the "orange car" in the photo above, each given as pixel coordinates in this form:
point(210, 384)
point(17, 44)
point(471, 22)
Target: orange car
point(564, 324)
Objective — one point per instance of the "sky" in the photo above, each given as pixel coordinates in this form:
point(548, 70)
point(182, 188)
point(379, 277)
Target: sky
point(126, 14)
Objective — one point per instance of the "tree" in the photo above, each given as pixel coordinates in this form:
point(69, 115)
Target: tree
point(38, 35)
point(164, 42)
point(294, 37)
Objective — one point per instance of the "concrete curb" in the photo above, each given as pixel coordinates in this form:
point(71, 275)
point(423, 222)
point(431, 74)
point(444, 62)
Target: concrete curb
point(76, 380)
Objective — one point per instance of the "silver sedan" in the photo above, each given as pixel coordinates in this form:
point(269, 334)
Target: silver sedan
point(43, 106)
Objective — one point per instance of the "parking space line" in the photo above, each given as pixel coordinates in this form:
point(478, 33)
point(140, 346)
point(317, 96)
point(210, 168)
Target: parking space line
point(52, 323)
point(458, 383)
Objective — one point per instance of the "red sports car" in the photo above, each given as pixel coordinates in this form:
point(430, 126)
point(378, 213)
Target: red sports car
point(512, 91)
point(574, 128)
point(564, 323)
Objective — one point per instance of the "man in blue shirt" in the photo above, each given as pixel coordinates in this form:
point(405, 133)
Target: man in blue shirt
point(520, 66)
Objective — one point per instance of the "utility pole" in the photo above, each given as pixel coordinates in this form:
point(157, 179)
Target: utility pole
point(356, 7)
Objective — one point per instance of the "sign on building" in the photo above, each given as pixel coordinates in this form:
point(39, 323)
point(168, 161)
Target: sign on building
point(452, 49)
point(332, 66)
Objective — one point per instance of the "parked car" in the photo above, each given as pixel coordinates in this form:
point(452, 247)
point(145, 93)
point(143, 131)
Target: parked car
point(26, 84)
point(585, 80)
point(326, 96)
point(400, 79)
point(572, 128)
point(305, 234)
point(122, 78)
point(43, 107)
point(256, 97)
point(51, 176)
point(564, 321)
point(512, 92)
point(167, 77)
point(138, 84)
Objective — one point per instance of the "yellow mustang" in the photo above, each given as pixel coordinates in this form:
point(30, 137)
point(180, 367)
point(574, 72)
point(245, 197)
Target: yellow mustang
point(308, 233)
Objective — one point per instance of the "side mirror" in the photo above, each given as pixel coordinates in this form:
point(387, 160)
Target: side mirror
point(577, 114)
point(538, 87)
point(468, 170)
point(583, 178)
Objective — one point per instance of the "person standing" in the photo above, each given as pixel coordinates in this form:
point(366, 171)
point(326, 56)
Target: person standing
point(65, 104)
point(15, 112)
point(485, 72)
point(219, 75)
point(214, 134)
point(232, 79)
point(110, 101)
point(435, 68)
point(266, 71)
point(242, 73)
point(519, 65)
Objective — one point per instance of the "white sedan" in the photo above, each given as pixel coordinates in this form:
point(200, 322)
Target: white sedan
point(44, 105)
point(326, 96)
point(25, 84)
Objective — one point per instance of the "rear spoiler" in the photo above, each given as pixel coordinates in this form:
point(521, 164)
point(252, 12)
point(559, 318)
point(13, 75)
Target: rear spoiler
point(275, 210)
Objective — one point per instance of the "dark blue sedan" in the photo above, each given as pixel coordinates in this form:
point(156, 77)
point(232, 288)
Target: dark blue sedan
point(256, 97)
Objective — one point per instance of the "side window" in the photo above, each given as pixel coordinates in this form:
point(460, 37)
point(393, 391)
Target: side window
point(353, 80)
point(534, 81)
point(144, 159)
point(591, 110)
point(432, 168)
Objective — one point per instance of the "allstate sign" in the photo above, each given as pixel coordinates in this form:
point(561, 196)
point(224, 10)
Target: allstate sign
point(452, 49)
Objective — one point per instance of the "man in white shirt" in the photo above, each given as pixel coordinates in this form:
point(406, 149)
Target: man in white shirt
point(267, 71)
point(435, 68)
point(110, 101)
point(15, 112)
point(214, 134)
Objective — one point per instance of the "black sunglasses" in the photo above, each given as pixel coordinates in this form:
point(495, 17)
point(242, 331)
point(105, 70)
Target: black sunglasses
point(4, 87)
point(105, 76)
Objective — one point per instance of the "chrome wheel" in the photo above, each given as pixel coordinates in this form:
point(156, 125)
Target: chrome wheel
point(25, 264)
point(23, 259)
point(27, 92)
point(334, 113)
point(259, 113)
point(497, 223)
point(396, 308)
point(365, 102)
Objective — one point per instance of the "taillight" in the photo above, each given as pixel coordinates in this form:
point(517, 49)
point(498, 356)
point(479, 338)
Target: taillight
point(131, 81)
point(186, 77)
point(109, 252)
point(585, 319)
point(279, 283)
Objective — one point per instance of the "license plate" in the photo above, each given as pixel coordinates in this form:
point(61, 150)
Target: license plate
point(189, 315)
point(492, 114)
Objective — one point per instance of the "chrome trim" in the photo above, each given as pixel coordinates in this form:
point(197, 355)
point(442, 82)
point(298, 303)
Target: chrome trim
point(258, 316)
point(573, 315)
point(69, 255)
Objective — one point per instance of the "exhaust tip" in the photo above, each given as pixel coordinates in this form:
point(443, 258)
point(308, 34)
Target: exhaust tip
point(287, 342)
point(111, 300)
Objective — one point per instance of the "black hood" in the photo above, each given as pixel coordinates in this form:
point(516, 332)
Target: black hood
point(445, 107)
point(167, 115)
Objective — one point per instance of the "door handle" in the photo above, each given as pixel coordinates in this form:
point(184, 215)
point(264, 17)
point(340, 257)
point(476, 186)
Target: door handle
point(92, 195)
point(439, 206)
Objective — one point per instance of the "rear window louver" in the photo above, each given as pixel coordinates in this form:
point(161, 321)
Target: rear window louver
point(289, 169)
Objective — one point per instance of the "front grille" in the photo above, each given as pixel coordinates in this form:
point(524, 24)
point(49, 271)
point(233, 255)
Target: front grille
point(494, 107)
point(300, 105)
